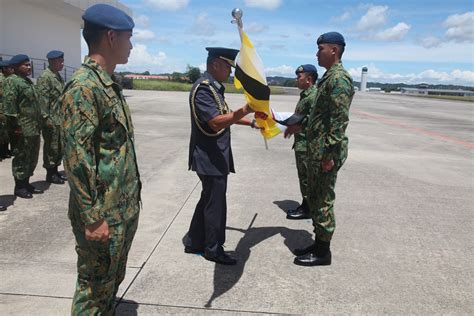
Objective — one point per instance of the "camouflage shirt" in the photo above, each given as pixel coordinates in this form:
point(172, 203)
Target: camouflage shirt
point(20, 103)
point(330, 116)
point(2, 78)
point(99, 151)
point(304, 106)
point(49, 87)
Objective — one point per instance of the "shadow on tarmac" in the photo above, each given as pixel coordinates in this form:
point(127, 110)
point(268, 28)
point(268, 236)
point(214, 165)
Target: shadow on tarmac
point(126, 308)
point(7, 200)
point(42, 185)
point(286, 205)
point(225, 277)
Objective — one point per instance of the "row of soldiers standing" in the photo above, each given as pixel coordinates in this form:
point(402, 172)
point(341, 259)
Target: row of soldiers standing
point(26, 112)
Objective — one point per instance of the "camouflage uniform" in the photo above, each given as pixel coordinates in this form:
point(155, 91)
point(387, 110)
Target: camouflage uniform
point(303, 106)
point(100, 162)
point(327, 140)
point(49, 87)
point(20, 102)
point(3, 119)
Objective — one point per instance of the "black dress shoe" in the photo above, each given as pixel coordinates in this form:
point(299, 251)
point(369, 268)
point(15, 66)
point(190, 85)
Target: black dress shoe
point(33, 190)
point(54, 178)
point(195, 251)
point(305, 250)
point(23, 193)
point(313, 259)
point(222, 258)
point(3, 208)
point(298, 213)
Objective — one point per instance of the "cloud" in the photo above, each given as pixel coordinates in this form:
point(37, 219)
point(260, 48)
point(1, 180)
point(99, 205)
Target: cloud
point(456, 76)
point(460, 27)
point(255, 28)
point(141, 35)
point(263, 4)
point(283, 70)
point(395, 33)
point(430, 42)
point(142, 20)
point(203, 25)
point(167, 5)
point(141, 59)
point(343, 17)
point(375, 17)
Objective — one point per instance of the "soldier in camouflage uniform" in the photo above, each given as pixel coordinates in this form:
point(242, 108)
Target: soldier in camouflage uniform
point(100, 162)
point(50, 86)
point(306, 76)
point(6, 70)
point(20, 102)
point(327, 146)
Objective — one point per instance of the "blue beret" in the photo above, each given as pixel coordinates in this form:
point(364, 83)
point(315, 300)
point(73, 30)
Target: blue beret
point(109, 17)
point(307, 68)
point(4, 63)
point(55, 54)
point(227, 54)
point(331, 38)
point(18, 59)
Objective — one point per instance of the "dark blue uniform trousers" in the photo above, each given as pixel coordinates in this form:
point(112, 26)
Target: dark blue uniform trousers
point(207, 229)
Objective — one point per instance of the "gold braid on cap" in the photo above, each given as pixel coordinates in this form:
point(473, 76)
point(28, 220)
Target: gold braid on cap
point(228, 60)
point(222, 108)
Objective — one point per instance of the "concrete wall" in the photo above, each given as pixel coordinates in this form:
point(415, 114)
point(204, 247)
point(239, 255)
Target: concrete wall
point(35, 27)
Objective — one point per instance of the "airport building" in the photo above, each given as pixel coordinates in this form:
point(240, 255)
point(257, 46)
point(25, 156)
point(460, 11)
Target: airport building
point(35, 27)
point(426, 91)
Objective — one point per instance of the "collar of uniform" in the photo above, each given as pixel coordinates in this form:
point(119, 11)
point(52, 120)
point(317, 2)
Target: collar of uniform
point(306, 92)
point(16, 77)
point(333, 68)
point(103, 75)
point(216, 84)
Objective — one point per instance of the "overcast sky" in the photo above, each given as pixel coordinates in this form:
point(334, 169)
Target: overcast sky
point(398, 40)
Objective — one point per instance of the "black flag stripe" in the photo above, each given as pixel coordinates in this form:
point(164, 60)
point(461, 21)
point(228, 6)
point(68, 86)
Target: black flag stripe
point(254, 87)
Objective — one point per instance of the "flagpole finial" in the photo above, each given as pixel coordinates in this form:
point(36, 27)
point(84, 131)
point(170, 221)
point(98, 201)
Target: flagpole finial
point(237, 16)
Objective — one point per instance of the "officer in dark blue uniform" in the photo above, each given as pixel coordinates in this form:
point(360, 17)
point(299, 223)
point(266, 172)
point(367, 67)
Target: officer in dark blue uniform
point(210, 154)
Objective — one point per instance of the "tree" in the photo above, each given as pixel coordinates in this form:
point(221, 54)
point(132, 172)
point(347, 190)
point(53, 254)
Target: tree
point(146, 73)
point(176, 76)
point(193, 73)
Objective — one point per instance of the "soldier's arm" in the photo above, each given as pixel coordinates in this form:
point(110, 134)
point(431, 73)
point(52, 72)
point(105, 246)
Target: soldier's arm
point(340, 99)
point(44, 88)
point(10, 107)
point(80, 123)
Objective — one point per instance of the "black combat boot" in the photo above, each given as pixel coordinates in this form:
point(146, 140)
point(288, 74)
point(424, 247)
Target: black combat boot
point(21, 190)
point(52, 176)
point(3, 208)
point(4, 152)
point(301, 212)
point(321, 256)
point(60, 175)
point(32, 189)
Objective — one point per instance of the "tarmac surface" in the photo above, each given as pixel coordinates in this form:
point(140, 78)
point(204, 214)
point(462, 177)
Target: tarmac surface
point(404, 209)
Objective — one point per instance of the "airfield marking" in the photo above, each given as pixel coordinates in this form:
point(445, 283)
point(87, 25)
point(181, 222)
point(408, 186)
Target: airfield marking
point(414, 129)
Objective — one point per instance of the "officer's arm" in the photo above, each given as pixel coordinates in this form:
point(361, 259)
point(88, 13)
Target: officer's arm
point(207, 111)
point(340, 99)
point(225, 120)
point(43, 88)
point(80, 123)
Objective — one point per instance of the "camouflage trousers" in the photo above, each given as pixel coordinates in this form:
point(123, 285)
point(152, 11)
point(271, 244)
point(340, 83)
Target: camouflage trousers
point(3, 130)
point(321, 197)
point(302, 168)
point(52, 147)
point(101, 268)
point(26, 151)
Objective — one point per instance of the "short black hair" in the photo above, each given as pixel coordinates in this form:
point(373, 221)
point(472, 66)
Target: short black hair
point(92, 33)
point(314, 76)
point(340, 49)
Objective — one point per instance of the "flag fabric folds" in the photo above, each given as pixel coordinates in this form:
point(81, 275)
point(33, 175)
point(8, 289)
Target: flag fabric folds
point(250, 75)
